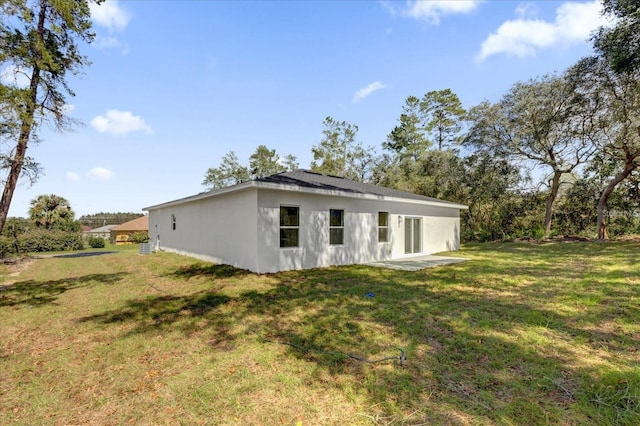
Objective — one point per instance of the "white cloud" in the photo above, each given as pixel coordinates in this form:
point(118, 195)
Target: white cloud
point(527, 9)
point(110, 42)
point(109, 14)
point(366, 91)
point(522, 37)
point(72, 177)
point(431, 11)
point(12, 75)
point(120, 123)
point(100, 173)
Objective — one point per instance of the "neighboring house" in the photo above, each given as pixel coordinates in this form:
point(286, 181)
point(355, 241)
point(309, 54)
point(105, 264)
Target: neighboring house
point(103, 232)
point(120, 234)
point(301, 220)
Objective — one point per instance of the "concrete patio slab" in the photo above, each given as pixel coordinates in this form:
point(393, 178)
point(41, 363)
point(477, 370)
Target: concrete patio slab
point(417, 263)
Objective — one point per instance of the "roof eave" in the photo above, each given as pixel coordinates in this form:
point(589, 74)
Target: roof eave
point(296, 188)
point(359, 195)
point(230, 189)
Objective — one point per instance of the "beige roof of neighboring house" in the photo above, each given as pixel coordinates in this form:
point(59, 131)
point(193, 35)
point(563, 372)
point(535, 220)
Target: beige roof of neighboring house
point(139, 224)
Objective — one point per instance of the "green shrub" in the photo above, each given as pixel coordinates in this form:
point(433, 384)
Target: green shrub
point(96, 242)
point(139, 237)
point(6, 246)
point(40, 240)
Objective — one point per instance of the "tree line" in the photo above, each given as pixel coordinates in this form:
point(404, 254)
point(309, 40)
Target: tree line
point(555, 155)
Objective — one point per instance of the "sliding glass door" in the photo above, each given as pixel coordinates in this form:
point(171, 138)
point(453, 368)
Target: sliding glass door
point(412, 235)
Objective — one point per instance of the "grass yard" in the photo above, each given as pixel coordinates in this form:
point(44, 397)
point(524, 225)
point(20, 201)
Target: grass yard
point(522, 334)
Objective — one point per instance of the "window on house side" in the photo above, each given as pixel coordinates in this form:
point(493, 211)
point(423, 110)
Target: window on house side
point(383, 227)
point(173, 222)
point(336, 227)
point(289, 226)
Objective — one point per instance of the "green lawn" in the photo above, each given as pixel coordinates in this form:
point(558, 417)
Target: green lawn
point(521, 334)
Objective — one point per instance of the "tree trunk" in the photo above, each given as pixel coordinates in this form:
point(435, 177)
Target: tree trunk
point(25, 128)
point(555, 186)
point(604, 198)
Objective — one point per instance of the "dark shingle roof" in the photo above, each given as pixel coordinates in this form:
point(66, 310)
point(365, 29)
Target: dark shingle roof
point(309, 179)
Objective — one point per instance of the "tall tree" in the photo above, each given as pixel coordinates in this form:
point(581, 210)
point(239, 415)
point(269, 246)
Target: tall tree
point(229, 173)
point(617, 121)
point(291, 162)
point(38, 39)
point(489, 183)
point(435, 120)
point(265, 162)
point(339, 154)
point(443, 114)
point(51, 211)
point(408, 138)
point(619, 44)
point(537, 122)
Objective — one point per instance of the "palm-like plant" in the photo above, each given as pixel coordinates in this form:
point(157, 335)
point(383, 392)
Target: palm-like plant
point(49, 209)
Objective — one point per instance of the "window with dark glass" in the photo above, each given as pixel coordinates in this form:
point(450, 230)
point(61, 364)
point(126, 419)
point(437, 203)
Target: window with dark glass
point(173, 222)
point(383, 227)
point(336, 226)
point(289, 226)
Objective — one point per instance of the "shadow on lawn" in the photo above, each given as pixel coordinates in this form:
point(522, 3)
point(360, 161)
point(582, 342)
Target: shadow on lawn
point(208, 270)
point(158, 312)
point(35, 293)
point(467, 352)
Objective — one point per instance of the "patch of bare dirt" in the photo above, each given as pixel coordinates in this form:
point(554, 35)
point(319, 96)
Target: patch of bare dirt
point(15, 265)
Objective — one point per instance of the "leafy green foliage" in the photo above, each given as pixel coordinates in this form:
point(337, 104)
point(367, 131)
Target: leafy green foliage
point(291, 163)
point(230, 172)
point(434, 120)
point(40, 40)
point(265, 162)
point(339, 154)
point(443, 114)
point(408, 138)
point(538, 122)
point(139, 237)
point(43, 240)
point(620, 44)
point(616, 97)
point(52, 211)
point(96, 242)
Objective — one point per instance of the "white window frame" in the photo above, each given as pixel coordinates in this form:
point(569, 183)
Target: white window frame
point(385, 227)
point(336, 227)
point(284, 227)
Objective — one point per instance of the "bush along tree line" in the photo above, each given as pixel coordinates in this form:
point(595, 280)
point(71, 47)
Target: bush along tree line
point(555, 155)
point(52, 226)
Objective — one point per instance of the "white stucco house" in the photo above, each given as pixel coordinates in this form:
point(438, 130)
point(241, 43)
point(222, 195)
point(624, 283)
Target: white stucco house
point(302, 220)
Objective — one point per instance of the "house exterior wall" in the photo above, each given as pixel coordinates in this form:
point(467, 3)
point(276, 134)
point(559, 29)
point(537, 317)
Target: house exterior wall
point(440, 230)
point(121, 237)
point(242, 229)
point(219, 229)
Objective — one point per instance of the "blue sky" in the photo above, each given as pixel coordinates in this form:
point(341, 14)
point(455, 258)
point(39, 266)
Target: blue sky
point(175, 85)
